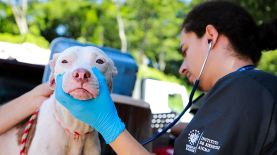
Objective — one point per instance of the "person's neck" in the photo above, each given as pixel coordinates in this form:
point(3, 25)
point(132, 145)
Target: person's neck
point(230, 65)
point(222, 61)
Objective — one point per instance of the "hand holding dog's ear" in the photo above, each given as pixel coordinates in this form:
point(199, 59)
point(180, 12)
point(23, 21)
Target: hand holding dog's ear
point(100, 112)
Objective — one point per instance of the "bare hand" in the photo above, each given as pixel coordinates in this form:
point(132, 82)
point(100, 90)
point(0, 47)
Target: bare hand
point(22, 107)
point(39, 94)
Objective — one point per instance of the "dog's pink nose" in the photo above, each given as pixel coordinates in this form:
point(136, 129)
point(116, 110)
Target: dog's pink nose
point(81, 75)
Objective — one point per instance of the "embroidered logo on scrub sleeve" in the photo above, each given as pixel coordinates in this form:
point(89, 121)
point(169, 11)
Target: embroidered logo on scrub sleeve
point(198, 142)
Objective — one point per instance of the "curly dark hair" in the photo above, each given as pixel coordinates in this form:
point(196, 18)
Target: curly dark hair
point(231, 20)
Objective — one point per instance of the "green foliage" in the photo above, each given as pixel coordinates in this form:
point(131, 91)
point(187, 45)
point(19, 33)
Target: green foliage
point(7, 22)
point(152, 28)
point(268, 62)
point(24, 38)
point(83, 20)
point(147, 72)
point(175, 103)
point(261, 10)
point(74, 16)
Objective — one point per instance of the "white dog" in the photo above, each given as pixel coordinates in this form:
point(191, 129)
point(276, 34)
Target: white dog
point(57, 132)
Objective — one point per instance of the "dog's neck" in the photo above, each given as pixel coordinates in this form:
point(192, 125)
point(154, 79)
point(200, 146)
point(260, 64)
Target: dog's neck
point(67, 121)
point(51, 136)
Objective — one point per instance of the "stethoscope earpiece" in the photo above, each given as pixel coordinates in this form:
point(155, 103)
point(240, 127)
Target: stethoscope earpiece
point(195, 86)
point(210, 41)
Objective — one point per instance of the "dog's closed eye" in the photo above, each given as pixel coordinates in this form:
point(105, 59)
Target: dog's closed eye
point(99, 61)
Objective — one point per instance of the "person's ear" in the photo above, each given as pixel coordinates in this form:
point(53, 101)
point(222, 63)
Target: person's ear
point(211, 34)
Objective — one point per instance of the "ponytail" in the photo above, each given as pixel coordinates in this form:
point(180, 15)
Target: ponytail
point(231, 20)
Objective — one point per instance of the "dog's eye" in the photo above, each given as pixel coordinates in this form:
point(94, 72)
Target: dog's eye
point(64, 61)
point(99, 61)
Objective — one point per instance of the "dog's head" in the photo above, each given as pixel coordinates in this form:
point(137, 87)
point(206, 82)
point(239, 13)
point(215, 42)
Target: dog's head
point(76, 63)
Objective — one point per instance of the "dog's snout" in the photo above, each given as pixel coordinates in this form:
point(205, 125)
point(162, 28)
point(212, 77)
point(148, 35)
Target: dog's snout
point(81, 75)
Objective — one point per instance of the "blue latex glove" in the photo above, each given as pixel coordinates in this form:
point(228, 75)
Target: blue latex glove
point(100, 112)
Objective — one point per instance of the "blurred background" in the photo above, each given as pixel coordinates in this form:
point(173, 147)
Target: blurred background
point(148, 30)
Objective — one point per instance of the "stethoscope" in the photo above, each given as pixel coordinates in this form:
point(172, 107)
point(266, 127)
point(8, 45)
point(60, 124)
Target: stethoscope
point(195, 86)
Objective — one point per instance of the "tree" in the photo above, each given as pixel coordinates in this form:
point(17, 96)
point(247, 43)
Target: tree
point(268, 62)
point(7, 21)
point(120, 23)
point(261, 10)
point(152, 29)
point(19, 9)
point(146, 29)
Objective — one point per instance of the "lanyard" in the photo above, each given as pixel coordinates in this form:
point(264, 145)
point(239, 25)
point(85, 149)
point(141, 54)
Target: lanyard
point(247, 67)
point(195, 86)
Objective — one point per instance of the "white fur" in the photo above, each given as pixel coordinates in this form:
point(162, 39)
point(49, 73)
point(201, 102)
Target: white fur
point(50, 137)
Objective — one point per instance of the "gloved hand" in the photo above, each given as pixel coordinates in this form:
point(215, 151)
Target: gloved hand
point(100, 112)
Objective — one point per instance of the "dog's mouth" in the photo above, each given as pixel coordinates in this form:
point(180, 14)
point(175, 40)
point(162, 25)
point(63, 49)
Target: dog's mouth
point(82, 94)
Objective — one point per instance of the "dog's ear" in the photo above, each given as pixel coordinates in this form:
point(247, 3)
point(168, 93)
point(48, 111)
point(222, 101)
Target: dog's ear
point(52, 63)
point(111, 72)
point(114, 71)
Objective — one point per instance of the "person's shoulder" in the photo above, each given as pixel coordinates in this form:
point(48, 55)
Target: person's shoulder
point(260, 75)
point(262, 79)
point(257, 75)
point(248, 80)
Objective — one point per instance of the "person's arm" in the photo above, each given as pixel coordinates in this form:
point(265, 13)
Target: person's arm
point(20, 108)
point(178, 128)
point(125, 144)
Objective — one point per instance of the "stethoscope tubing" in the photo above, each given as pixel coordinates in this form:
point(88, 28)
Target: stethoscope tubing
point(195, 86)
point(164, 130)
